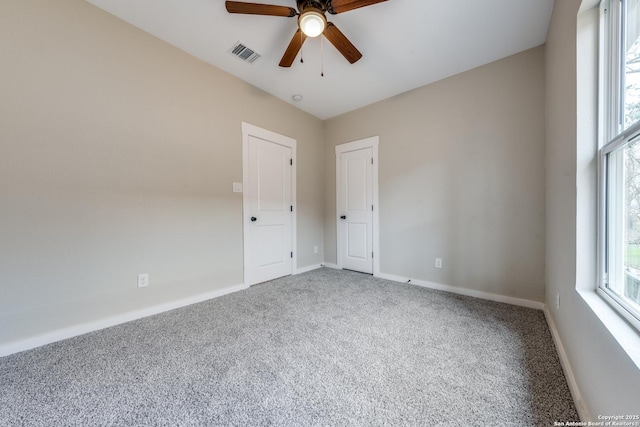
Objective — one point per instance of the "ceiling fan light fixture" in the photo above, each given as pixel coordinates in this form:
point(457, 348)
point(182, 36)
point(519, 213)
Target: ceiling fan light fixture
point(312, 23)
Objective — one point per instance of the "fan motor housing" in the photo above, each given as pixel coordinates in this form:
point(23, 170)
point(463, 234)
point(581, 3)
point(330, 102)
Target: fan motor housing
point(316, 4)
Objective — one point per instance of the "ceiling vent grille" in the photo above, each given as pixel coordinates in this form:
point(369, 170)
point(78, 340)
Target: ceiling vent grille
point(243, 52)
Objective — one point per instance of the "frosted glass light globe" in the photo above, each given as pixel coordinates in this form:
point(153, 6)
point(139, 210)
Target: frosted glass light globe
point(312, 23)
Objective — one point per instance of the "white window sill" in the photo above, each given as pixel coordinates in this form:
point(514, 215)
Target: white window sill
point(626, 335)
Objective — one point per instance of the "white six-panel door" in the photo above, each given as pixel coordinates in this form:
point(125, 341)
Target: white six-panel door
point(268, 206)
point(355, 205)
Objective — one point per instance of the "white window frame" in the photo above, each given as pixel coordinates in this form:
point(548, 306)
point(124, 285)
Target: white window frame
point(611, 139)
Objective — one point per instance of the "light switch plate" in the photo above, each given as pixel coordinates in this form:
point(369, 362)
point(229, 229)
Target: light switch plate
point(237, 187)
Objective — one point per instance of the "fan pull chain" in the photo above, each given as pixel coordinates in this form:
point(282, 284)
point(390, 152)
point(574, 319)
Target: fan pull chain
point(301, 44)
point(321, 57)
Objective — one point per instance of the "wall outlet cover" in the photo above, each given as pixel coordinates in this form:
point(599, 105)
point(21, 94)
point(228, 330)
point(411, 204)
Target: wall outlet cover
point(143, 280)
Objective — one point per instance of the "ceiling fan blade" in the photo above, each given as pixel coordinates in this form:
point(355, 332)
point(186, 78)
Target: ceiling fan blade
point(340, 6)
point(294, 47)
point(342, 43)
point(259, 9)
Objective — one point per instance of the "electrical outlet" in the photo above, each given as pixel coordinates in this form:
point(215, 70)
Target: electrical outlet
point(557, 300)
point(143, 280)
point(237, 187)
point(315, 249)
point(438, 262)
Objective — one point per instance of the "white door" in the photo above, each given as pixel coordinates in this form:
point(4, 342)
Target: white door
point(268, 208)
point(355, 210)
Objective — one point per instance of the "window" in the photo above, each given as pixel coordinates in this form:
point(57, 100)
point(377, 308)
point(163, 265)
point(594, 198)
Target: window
point(619, 157)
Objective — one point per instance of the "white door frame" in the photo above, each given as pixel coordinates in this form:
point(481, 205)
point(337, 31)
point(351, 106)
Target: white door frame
point(252, 130)
point(372, 143)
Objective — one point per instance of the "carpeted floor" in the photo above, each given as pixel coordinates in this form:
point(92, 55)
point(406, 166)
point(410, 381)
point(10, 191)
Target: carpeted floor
point(325, 348)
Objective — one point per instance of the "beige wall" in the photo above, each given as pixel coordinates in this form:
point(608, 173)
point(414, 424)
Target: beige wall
point(606, 376)
point(118, 152)
point(461, 177)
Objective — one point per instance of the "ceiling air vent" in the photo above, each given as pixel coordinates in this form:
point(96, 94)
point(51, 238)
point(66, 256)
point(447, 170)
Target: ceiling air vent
point(244, 53)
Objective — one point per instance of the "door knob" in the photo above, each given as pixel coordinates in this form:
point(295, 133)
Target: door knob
point(254, 219)
point(343, 217)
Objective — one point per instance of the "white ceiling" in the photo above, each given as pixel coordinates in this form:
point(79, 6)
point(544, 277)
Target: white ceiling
point(405, 44)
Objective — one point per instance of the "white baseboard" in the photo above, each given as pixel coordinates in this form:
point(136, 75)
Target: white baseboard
point(464, 291)
point(61, 334)
point(329, 265)
point(308, 268)
point(583, 413)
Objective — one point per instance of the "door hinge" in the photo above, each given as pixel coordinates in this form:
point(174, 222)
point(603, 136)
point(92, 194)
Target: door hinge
point(371, 208)
point(371, 254)
point(372, 160)
point(291, 254)
point(291, 162)
point(291, 208)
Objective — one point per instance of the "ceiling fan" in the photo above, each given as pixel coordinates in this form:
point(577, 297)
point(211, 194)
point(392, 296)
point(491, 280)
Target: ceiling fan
point(312, 22)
